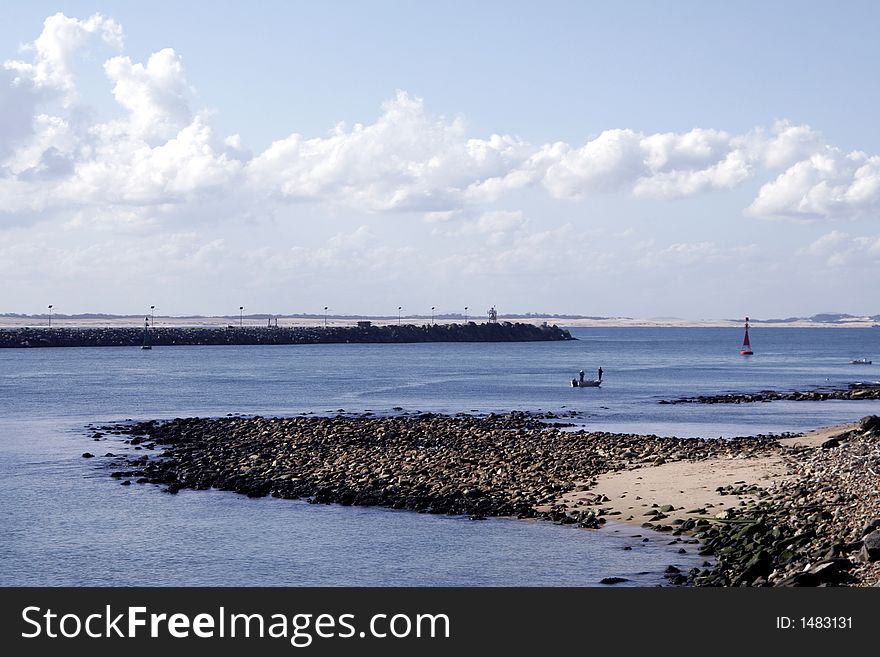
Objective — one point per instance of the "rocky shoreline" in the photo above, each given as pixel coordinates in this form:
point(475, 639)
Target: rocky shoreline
point(819, 527)
point(864, 391)
point(807, 531)
point(265, 335)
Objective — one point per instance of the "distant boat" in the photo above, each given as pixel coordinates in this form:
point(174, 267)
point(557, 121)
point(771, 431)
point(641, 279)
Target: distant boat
point(747, 346)
point(586, 383)
point(861, 361)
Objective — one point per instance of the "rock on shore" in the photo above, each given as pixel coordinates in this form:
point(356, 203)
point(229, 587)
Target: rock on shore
point(816, 528)
point(255, 335)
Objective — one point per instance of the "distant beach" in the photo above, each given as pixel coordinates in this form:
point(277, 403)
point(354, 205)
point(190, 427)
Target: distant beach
point(17, 321)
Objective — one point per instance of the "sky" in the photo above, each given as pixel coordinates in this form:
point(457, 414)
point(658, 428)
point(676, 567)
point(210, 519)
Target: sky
point(639, 159)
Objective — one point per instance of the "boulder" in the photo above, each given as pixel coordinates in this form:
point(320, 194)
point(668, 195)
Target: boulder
point(870, 423)
point(871, 526)
point(870, 547)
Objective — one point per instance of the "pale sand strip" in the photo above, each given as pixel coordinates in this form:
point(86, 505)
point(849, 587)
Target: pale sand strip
point(318, 320)
point(688, 485)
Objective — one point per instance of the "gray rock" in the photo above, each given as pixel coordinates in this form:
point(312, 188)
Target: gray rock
point(870, 423)
point(870, 547)
point(871, 526)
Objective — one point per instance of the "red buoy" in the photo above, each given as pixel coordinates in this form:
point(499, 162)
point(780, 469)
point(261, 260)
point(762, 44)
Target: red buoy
point(747, 347)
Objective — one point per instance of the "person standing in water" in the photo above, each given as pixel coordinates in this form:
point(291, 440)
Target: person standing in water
point(600, 374)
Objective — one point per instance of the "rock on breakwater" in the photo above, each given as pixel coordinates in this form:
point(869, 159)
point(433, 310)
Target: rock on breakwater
point(262, 335)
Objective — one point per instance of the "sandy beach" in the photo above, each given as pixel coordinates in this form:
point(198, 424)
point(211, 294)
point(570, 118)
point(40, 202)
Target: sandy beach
point(689, 485)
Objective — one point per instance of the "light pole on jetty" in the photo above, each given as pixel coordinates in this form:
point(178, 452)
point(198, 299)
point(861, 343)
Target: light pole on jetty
point(325, 316)
point(240, 316)
point(432, 315)
point(465, 314)
point(50, 315)
point(152, 315)
point(399, 308)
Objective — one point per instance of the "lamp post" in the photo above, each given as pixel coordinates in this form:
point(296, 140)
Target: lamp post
point(152, 315)
point(465, 314)
point(432, 315)
point(325, 316)
point(240, 316)
point(399, 308)
point(50, 315)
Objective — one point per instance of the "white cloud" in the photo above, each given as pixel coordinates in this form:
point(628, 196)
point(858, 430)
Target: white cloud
point(155, 94)
point(840, 249)
point(159, 151)
point(127, 171)
point(52, 66)
point(785, 145)
point(406, 160)
point(606, 163)
point(830, 184)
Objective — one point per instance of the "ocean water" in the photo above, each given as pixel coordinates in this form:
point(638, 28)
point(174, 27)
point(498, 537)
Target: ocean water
point(65, 522)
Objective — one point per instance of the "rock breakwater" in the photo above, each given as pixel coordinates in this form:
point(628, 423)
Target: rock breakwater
point(257, 335)
point(854, 391)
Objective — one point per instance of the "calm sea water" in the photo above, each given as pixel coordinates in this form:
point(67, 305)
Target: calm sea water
point(65, 522)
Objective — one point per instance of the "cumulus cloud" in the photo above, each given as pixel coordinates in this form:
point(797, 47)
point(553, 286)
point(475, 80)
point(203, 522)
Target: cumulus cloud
point(155, 94)
point(129, 171)
point(406, 160)
point(53, 51)
point(157, 152)
point(672, 165)
point(160, 151)
point(608, 162)
point(828, 184)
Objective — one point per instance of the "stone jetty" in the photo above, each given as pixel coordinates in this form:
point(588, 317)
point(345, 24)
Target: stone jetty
point(820, 525)
point(865, 391)
point(257, 335)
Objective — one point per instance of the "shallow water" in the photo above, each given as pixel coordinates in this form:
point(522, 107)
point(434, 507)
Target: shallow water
point(66, 522)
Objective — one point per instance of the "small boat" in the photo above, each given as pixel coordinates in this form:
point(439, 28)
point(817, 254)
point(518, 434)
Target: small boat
point(586, 383)
point(861, 361)
point(746, 346)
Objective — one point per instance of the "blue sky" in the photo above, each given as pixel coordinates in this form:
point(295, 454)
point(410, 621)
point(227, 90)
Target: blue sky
point(652, 159)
